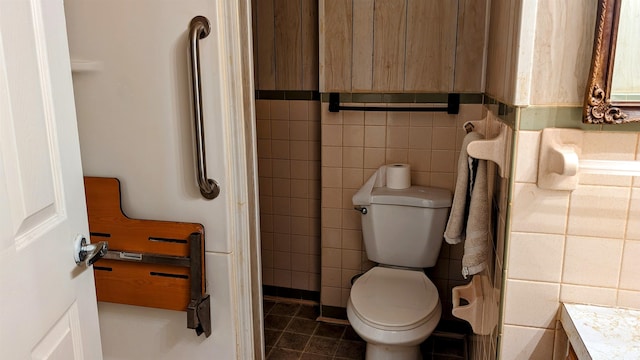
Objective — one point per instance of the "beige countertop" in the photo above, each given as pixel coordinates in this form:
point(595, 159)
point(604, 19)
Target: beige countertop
point(597, 332)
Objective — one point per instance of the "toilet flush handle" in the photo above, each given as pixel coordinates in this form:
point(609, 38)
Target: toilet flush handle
point(363, 210)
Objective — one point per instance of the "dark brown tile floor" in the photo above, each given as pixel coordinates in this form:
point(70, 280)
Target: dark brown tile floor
point(291, 332)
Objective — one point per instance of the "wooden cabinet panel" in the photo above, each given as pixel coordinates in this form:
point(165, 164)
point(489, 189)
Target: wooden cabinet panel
point(389, 33)
point(336, 25)
point(266, 65)
point(310, 56)
point(431, 43)
point(362, 68)
point(470, 45)
point(288, 44)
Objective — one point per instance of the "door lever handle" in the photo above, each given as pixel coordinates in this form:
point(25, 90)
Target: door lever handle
point(88, 253)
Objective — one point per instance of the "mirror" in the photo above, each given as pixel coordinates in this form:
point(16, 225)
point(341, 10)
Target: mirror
point(613, 87)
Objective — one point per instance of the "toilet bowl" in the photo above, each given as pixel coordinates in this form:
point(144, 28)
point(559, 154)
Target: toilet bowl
point(393, 310)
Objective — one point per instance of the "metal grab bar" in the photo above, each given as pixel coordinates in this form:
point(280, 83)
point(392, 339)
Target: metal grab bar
point(199, 28)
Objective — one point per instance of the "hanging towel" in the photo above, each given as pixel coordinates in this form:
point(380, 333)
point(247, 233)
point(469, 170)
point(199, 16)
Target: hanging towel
point(469, 217)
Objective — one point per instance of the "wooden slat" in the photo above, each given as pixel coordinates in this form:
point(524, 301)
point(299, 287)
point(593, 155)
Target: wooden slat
point(266, 52)
point(390, 26)
point(470, 46)
point(288, 45)
point(128, 282)
point(362, 67)
point(431, 41)
point(133, 284)
point(309, 44)
point(336, 25)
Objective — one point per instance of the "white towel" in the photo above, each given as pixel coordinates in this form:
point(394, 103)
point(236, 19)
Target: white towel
point(469, 217)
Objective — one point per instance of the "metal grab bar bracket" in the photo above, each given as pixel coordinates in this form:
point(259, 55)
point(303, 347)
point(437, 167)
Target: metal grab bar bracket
point(200, 28)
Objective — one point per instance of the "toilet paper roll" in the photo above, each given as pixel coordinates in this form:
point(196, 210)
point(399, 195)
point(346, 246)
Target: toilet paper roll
point(398, 176)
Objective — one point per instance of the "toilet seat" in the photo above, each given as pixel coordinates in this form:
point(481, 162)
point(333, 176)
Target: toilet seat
point(394, 299)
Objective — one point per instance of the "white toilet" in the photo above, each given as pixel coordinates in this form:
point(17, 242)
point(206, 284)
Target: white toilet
point(394, 306)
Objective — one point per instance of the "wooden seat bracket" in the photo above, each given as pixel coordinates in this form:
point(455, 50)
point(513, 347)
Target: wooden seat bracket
point(157, 264)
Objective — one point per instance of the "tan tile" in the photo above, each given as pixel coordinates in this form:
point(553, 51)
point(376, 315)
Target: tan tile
point(299, 130)
point(315, 131)
point(347, 195)
point(608, 221)
point(444, 138)
point(331, 198)
point(331, 135)
point(398, 118)
point(332, 218)
point(281, 168)
point(314, 151)
point(527, 156)
point(353, 157)
point(353, 135)
point(592, 261)
point(629, 279)
point(281, 226)
point(444, 120)
point(541, 299)
point(279, 130)
point(299, 110)
point(442, 180)
point(393, 156)
point(529, 343)
point(281, 205)
point(375, 117)
point(300, 280)
point(282, 277)
point(299, 225)
point(417, 119)
point(314, 282)
point(266, 222)
point(374, 136)
point(352, 178)
point(262, 109)
point(421, 178)
point(536, 257)
point(300, 245)
point(629, 299)
point(398, 137)
point(443, 161)
point(299, 207)
point(280, 149)
point(299, 189)
point(281, 187)
point(420, 160)
point(351, 219)
point(420, 137)
point(332, 156)
point(588, 294)
point(299, 169)
point(264, 149)
point(282, 260)
point(279, 110)
point(267, 276)
point(267, 258)
point(332, 177)
point(354, 117)
point(331, 258)
point(330, 296)
point(263, 129)
point(265, 168)
point(352, 239)
point(331, 277)
point(314, 110)
point(331, 237)
point(374, 158)
point(537, 210)
point(351, 259)
point(266, 239)
point(299, 150)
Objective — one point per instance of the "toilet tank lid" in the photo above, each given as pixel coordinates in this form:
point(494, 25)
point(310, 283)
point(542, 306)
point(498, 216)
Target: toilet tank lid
point(418, 196)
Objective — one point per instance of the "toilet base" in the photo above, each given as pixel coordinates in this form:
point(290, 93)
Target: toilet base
point(388, 352)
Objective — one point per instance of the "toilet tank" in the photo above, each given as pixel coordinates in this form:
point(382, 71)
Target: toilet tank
point(405, 227)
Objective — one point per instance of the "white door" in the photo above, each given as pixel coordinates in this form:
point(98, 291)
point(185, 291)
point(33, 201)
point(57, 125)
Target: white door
point(47, 303)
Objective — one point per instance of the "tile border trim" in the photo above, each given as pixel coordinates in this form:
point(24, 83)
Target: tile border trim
point(290, 293)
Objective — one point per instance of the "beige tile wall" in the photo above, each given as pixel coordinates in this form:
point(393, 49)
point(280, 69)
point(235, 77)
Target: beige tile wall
point(402, 45)
point(289, 178)
point(354, 145)
point(285, 42)
point(580, 246)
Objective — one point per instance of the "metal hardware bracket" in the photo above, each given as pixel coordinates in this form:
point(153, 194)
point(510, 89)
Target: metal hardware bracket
point(452, 106)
